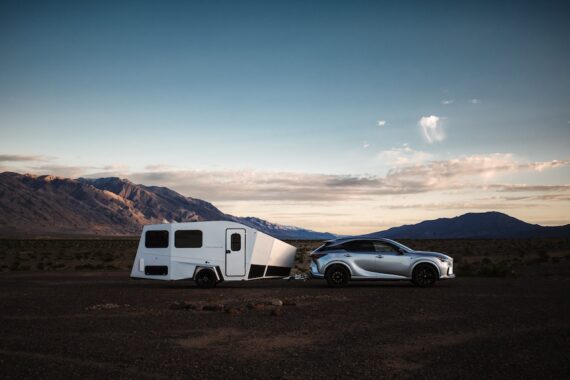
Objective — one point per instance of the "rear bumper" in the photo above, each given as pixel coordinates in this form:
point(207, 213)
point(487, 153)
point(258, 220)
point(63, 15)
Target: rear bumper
point(314, 272)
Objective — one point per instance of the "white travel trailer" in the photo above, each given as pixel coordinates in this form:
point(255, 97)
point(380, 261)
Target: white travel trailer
point(210, 252)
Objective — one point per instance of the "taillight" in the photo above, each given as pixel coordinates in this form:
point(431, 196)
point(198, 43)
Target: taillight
point(316, 256)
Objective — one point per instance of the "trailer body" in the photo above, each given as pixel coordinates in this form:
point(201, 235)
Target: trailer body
point(235, 252)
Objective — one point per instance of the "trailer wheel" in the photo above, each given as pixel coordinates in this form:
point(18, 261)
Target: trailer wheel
point(206, 278)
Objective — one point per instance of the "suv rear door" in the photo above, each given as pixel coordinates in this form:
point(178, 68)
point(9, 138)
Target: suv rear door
point(362, 254)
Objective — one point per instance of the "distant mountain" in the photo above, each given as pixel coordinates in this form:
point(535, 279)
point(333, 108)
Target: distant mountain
point(486, 225)
point(285, 232)
point(48, 205)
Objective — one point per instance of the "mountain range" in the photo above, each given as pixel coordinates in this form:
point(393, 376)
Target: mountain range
point(484, 225)
point(53, 206)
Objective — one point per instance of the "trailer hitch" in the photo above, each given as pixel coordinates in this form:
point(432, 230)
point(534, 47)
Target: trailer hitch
point(297, 277)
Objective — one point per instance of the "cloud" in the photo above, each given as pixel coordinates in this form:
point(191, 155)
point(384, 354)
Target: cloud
point(21, 157)
point(529, 188)
point(365, 145)
point(63, 170)
point(412, 172)
point(403, 155)
point(474, 101)
point(456, 206)
point(446, 102)
point(463, 173)
point(382, 123)
point(116, 167)
point(431, 128)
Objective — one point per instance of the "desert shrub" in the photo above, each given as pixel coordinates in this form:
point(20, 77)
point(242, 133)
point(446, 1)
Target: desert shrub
point(494, 270)
point(300, 256)
point(465, 270)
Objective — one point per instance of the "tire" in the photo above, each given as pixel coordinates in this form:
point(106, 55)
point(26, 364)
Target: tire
point(424, 276)
point(206, 278)
point(337, 276)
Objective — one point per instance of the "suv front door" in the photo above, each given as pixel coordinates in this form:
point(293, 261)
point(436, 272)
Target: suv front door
point(389, 259)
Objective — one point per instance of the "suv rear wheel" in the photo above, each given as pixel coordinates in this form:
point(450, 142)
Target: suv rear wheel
point(337, 276)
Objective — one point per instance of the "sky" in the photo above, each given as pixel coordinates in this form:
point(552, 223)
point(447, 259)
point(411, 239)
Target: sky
point(340, 116)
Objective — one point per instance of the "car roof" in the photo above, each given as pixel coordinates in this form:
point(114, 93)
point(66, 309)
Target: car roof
point(354, 238)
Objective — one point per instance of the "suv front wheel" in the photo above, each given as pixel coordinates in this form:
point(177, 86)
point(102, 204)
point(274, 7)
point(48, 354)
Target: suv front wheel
point(424, 275)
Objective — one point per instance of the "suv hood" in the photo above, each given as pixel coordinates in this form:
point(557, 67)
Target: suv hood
point(431, 254)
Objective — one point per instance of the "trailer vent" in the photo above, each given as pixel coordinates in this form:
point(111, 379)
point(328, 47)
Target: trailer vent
point(156, 270)
point(256, 271)
point(277, 271)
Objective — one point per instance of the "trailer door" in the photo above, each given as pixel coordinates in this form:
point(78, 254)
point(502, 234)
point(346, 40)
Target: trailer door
point(235, 252)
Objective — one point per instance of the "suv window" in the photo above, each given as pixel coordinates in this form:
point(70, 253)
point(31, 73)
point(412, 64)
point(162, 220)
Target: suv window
point(156, 239)
point(359, 246)
point(188, 239)
point(383, 247)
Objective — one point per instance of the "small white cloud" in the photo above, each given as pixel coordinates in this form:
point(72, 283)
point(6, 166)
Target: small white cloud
point(382, 123)
point(447, 102)
point(431, 128)
point(365, 145)
point(474, 101)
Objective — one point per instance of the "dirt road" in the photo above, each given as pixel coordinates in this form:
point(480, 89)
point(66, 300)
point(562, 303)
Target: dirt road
point(104, 325)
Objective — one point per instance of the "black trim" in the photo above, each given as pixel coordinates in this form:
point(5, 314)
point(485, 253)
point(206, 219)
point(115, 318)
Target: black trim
point(256, 271)
point(219, 272)
point(156, 270)
point(277, 271)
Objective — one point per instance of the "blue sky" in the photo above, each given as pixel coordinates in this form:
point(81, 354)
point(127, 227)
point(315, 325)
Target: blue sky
point(470, 95)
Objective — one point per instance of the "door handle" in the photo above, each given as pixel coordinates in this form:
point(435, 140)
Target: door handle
point(379, 256)
point(228, 251)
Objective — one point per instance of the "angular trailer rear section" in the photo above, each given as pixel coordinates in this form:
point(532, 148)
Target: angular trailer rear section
point(210, 251)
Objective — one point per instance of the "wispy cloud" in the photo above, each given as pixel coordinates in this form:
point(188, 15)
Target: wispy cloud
point(63, 170)
point(431, 128)
point(529, 188)
point(382, 123)
point(365, 145)
point(474, 101)
point(464, 206)
point(461, 173)
point(447, 102)
point(404, 155)
point(21, 158)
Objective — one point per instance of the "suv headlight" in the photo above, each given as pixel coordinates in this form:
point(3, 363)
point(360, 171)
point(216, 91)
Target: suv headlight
point(445, 260)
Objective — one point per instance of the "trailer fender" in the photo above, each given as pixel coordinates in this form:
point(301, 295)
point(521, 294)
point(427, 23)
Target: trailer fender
point(216, 269)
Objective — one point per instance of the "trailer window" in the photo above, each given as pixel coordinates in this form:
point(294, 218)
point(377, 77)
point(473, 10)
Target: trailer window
point(156, 239)
point(188, 239)
point(236, 242)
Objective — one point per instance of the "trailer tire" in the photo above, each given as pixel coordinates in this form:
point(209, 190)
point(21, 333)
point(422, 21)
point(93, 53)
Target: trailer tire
point(205, 278)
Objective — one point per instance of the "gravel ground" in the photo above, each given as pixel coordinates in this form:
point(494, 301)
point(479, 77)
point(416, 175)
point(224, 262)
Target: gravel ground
point(104, 325)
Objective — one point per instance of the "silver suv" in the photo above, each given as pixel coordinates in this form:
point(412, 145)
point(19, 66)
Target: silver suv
point(341, 260)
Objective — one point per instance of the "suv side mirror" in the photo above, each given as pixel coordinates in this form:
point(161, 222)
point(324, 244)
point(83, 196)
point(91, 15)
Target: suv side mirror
point(401, 251)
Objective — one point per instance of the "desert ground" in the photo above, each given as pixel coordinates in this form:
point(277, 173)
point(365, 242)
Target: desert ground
point(70, 310)
point(97, 325)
